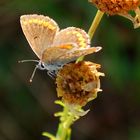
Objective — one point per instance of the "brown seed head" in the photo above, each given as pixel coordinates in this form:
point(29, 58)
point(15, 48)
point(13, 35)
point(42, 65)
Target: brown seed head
point(78, 83)
point(113, 7)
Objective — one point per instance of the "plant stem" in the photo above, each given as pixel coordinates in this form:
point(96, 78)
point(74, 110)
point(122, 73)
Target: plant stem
point(66, 120)
point(95, 23)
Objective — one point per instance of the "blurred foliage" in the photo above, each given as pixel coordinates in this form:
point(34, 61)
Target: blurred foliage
point(26, 109)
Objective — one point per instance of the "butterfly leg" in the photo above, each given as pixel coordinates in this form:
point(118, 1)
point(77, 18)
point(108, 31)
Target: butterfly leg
point(52, 74)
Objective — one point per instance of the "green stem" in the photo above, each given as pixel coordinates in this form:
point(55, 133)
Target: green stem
point(95, 23)
point(66, 121)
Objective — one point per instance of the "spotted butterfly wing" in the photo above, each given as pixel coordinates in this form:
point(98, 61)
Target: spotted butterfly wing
point(72, 35)
point(40, 31)
point(64, 55)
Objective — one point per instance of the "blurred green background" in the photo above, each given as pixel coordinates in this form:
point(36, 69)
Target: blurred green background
point(26, 109)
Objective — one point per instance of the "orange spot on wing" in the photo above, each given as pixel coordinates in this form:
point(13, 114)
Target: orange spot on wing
point(66, 47)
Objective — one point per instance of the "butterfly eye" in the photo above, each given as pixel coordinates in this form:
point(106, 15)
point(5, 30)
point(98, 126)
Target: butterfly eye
point(42, 66)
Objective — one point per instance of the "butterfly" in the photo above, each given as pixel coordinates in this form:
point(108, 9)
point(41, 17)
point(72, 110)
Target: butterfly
point(54, 47)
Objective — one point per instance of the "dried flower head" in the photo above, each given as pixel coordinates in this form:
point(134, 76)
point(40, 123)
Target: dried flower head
point(120, 7)
point(78, 83)
point(113, 7)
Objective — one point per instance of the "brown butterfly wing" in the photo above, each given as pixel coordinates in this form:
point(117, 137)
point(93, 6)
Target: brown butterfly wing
point(72, 35)
point(52, 54)
point(73, 55)
point(39, 30)
point(63, 54)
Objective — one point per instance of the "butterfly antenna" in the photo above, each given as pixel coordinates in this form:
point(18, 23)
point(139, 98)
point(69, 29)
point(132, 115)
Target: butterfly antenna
point(32, 76)
point(22, 61)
